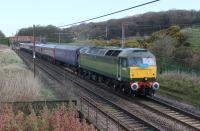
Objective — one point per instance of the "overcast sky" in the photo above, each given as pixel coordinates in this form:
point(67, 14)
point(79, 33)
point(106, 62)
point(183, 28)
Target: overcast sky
point(16, 14)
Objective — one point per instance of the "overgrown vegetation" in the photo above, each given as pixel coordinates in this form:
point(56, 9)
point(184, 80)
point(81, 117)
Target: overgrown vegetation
point(16, 82)
point(180, 85)
point(58, 119)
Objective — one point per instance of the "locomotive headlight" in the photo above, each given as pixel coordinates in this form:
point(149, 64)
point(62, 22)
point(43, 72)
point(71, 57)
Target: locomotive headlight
point(156, 86)
point(134, 86)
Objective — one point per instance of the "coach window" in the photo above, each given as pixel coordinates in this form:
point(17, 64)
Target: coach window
point(124, 63)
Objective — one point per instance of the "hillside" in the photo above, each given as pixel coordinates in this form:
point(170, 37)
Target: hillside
point(142, 24)
point(193, 36)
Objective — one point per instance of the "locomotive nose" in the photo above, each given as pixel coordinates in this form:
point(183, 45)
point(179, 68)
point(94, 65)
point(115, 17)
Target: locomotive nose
point(156, 86)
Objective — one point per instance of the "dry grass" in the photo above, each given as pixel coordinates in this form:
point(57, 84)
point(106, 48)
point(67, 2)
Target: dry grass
point(16, 81)
point(183, 86)
point(182, 76)
point(18, 86)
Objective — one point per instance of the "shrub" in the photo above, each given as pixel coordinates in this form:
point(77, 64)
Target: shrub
point(173, 32)
point(59, 119)
point(117, 42)
point(188, 57)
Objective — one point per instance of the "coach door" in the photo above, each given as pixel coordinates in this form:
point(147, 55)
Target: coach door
point(122, 68)
point(119, 73)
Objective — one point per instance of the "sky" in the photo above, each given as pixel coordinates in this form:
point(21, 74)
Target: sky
point(16, 14)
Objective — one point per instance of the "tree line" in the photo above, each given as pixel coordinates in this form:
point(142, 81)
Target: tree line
point(137, 25)
point(143, 24)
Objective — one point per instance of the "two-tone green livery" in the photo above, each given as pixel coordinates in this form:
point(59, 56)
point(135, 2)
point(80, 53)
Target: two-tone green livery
point(131, 70)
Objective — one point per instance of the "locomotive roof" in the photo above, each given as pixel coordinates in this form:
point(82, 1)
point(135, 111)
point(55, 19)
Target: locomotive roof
point(135, 52)
point(117, 52)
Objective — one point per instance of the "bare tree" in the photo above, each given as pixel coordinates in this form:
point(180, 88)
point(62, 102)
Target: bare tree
point(163, 48)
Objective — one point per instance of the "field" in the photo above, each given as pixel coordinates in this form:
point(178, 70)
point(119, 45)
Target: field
point(193, 35)
point(181, 86)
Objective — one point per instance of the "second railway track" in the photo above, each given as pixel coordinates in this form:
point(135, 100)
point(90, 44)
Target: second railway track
point(171, 112)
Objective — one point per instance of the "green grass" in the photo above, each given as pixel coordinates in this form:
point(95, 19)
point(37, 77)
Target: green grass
point(182, 86)
point(48, 94)
point(193, 36)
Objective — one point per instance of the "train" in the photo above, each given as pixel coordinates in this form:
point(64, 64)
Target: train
point(132, 71)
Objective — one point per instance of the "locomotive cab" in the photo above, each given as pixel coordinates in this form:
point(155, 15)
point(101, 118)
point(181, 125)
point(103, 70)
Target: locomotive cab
point(138, 68)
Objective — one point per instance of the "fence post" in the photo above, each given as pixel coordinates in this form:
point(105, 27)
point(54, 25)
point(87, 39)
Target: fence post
point(118, 125)
point(88, 111)
point(96, 117)
point(107, 121)
point(81, 103)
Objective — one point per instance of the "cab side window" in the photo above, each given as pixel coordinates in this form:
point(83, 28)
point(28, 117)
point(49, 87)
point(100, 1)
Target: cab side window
point(124, 63)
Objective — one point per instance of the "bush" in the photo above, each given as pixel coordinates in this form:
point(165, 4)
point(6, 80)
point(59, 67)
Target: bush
point(188, 57)
point(163, 48)
point(58, 119)
point(117, 42)
point(173, 32)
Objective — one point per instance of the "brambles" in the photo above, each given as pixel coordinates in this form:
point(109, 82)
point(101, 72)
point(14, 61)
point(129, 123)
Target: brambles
point(59, 119)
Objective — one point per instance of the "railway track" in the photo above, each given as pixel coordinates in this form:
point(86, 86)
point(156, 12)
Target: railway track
point(125, 115)
point(163, 108)
point(128, 121)
point(191, 120)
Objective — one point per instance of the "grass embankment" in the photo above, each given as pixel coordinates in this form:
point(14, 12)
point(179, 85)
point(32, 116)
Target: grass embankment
point(16, 81)
point(182, 86)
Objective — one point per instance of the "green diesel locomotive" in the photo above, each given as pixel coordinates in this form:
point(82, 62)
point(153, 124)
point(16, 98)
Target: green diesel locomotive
point(131, 70)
